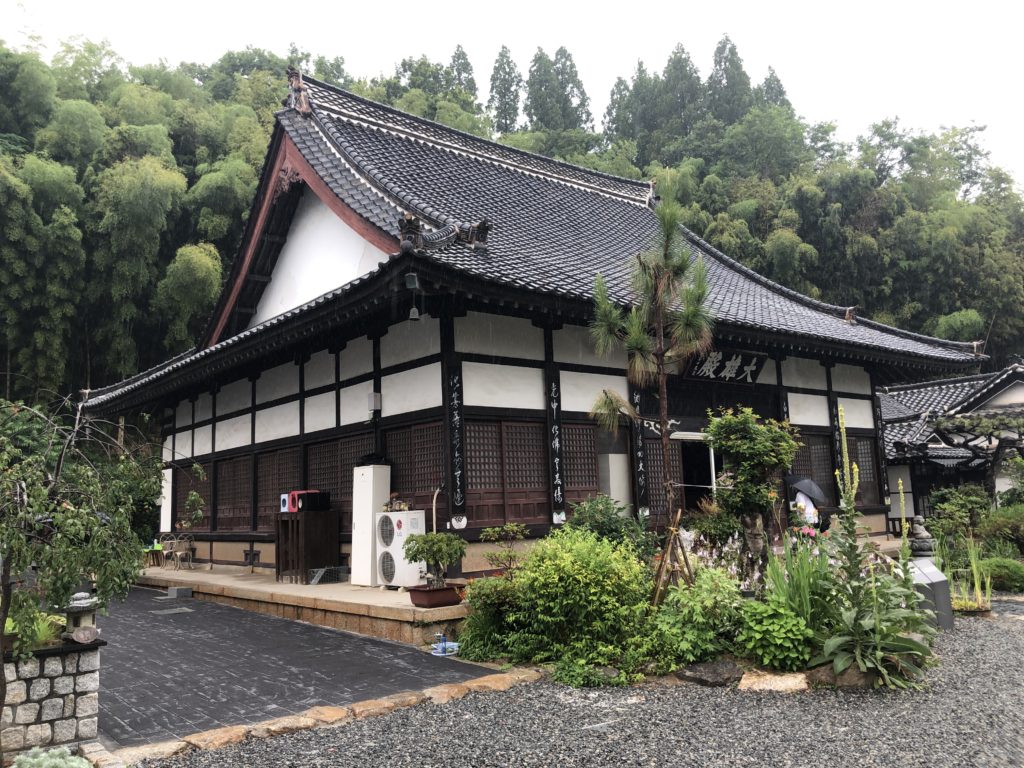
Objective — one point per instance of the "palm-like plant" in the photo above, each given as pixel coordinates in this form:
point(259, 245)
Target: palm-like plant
point(668, 323)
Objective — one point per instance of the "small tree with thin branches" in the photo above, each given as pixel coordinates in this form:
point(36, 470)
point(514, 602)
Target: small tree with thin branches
point(668, 323)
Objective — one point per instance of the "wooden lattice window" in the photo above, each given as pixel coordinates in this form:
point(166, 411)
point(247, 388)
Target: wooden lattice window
point(814, 460)
point(526, 465)
point(655, 482)
point(862, 451)
point(234, 494)
point(483, 456)
point(579, 461)
point(416, 454)
point(398, 447)
point(186, 480)
point(277, 472)
point(350, 450)
point(506, 473)
point(428, 442)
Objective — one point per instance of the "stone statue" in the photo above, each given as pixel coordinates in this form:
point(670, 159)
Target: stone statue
point(921, 542)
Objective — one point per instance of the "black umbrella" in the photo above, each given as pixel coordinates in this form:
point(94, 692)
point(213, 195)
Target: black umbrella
point(807, 486)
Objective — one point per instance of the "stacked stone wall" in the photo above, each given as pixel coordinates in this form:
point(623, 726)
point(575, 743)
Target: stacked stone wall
point(52, 698)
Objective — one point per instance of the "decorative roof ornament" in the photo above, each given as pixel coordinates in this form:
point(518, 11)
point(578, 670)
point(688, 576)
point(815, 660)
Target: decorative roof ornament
point(653, 198)
point(411, 230)
point(851, 315)
point(286, 177)
point(478, 234)
point(298, 96)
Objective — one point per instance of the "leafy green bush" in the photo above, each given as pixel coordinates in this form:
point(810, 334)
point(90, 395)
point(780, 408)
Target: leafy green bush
point(579, 596)
point(1005, 523)
point(485, 631)
point(53, 758)
point(506, 557)
point(1007, 575)
point(958, 511)
point(715, 528)
point(774, 636)
point(697, 622)
point(437, 550)
point(612, 521)
point(803, 579)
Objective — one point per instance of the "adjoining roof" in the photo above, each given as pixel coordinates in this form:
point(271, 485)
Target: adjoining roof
point(909, 409)
point(552, 228)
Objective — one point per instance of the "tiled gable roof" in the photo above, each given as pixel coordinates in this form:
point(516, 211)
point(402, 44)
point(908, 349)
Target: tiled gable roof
point(554, 226)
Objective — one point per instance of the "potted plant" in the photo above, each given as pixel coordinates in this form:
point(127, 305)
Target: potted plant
point(438, 551)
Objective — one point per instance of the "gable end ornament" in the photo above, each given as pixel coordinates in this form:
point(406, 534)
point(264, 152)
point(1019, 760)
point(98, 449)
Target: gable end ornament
point(287, 177)
point(298, 94)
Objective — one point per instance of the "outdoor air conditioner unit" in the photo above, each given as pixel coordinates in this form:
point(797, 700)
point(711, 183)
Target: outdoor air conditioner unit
point(393, 570)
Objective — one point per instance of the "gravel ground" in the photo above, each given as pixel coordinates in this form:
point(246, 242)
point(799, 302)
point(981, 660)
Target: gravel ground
point(972, 714)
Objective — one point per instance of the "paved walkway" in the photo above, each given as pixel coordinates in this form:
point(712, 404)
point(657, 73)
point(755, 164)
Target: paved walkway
point(175, 667)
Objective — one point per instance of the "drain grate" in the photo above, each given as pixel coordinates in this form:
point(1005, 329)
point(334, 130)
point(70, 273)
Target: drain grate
point(171, 611)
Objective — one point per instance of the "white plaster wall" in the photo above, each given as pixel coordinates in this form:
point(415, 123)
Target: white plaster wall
point(572, 345)
point(202, 441)
point(357, 358)
point(319, 412)
point(803, 372)
point(613, 477)
point(168, 448)
point(1012, 395)
point(276, 382)
point(809, 410)
point(579, 390)
point(851, 378)
point(166, 496)
point(413, 390)
point(277, 422)
point(487, 334)
point(354, 402)
point(204, 407)
point(233, 433)
point(410, 340)
point(322, 253)
point(183, 414)
point(859, 414)
point(896, 473)
point(319, 370)
point(503, 386)
point(234, 397)
point(769, 374)
point(183, 445)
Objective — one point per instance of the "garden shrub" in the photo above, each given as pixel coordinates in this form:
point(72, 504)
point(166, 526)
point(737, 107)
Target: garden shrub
point(578, 596)
point(715, 528)
point(610, 520)
point(803, 579)
point(958, 511)
point(774, 636)
point(697, 622)
point(53, 758)
point(485, 631)
point(1005, 523)
point(1007, 575)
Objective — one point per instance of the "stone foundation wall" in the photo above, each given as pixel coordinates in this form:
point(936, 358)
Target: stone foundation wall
point(52, 698)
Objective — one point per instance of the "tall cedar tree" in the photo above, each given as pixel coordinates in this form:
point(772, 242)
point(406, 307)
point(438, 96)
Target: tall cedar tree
point(462, 72)
point(729, 93)
point(506, 89)
point(543, 107)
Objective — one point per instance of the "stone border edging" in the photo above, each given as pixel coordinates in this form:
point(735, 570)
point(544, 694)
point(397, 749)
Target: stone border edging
point(316, 717)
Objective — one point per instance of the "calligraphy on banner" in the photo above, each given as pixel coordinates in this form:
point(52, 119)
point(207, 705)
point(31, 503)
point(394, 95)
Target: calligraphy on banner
point(728, 366)
point(456, 431)
point(639, 459)
point(554, 426)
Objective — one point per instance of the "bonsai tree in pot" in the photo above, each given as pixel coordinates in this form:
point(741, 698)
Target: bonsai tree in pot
point(439, 551)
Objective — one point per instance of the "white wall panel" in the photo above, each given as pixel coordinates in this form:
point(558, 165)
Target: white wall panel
point(896, 473)
point(357, 358)
point(572, 345)
point(614, 477)
point(202, 441)
point(320, 412)
point(166, 497)
point(803, 372)
point(322, 253)
point(204, 407)
point(580, 390)
point(411, 391)
point(319, 370)
point(234, 397)
point(354, 403)
point(183, 414)
point(167, 453)
point(410, 340)
point(769, 374)
point(277, 422)
point(809, 410)
point(1012, 395)
point(851, 378)
point(859, 414)
point(487, 334)
point(183, 445)
point(503, 386)
point(233, 433)
point(280, 381)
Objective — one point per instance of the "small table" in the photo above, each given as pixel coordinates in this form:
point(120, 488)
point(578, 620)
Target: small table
point(154, 555)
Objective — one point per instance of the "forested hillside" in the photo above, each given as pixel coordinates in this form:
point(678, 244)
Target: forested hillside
point(124, 191)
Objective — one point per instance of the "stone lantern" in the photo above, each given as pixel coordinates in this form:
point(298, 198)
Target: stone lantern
point(81, 614)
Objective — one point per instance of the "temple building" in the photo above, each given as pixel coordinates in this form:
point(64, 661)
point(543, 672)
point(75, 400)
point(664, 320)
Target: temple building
point(407, 291)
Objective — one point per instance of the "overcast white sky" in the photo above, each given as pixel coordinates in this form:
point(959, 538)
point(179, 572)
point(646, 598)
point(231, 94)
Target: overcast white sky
point(932, 64)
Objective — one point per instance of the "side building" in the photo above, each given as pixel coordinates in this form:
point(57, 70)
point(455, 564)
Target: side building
point(412, 292)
